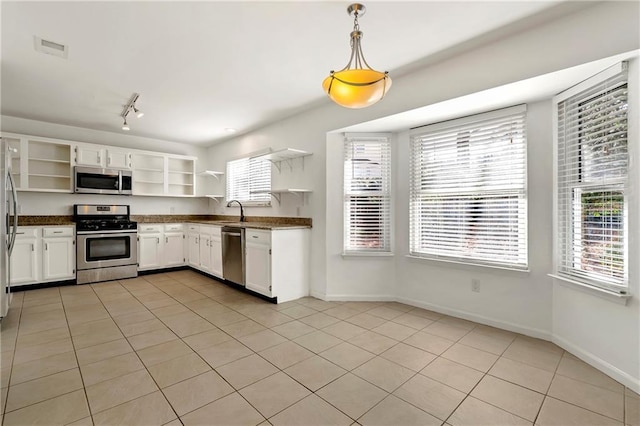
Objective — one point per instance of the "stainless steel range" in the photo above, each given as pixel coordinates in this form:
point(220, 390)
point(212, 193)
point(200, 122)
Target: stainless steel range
point(106, 243)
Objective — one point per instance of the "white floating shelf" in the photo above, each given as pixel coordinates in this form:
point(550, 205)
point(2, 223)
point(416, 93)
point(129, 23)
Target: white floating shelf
point(216, 197)
point(286, 154)
point(283, 154)
point(289, 190)
point(276, 193)
point(211, 173)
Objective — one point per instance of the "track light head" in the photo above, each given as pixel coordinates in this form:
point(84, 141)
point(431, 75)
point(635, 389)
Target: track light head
point(125, 126)
point(137, 111)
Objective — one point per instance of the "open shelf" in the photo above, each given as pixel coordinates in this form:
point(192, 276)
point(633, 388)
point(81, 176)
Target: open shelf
point(286, 154)
point(276, 193)
point(212, 173)
point(48, 160)
point(217, 197)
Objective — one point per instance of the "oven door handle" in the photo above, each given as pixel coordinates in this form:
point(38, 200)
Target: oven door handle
point(99, 234)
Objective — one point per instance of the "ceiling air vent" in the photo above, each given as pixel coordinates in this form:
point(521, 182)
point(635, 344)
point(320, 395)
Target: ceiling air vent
point(50, 47)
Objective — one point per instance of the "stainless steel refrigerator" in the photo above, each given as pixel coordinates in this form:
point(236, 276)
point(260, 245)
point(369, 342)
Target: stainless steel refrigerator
point(8, 213)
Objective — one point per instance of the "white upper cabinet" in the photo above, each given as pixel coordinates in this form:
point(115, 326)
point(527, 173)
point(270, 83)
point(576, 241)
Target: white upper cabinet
point(46, 165)
point(100, 156)
point(40, 164)
point(163, 174)
point(90, 155)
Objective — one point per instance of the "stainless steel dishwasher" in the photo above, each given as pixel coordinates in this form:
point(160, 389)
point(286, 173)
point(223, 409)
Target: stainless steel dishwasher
point(233, 254)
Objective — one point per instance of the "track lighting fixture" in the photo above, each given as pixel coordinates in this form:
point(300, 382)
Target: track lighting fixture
point(131, 106)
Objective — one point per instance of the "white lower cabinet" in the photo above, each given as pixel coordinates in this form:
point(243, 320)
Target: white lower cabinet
point(58, 254)
point(277, 263)
point(193, 246)
point(24, 258)
point(160, 246)
point(149, 247)
point(174, 246)
point(43, 254)
point(205, 249)
point(258, 261)
point(216, 254)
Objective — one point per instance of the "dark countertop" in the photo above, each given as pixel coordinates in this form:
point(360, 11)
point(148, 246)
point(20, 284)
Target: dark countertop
point(250, 225)
point(45, 221)
point(255, 222)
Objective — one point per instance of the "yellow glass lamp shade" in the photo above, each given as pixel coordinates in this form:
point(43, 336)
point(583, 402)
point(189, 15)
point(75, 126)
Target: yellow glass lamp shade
point(356, 88)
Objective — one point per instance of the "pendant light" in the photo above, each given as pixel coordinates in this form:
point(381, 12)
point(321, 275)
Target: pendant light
point(361, 86)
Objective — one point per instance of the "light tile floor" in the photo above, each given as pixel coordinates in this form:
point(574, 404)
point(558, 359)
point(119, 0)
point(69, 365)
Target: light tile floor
point(180, 348)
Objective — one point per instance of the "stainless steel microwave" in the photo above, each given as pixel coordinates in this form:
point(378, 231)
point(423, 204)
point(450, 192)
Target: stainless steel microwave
point(95, 180)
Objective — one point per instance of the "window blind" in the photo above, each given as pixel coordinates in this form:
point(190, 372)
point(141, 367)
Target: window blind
point(249, 180)
point(592, 163)
point(367, 198)
point(468, 190)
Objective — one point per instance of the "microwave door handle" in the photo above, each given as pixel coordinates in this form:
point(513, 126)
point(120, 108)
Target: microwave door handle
point(119, 184)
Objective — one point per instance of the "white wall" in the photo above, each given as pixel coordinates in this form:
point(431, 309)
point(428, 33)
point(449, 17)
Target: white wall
point(519, 301)
point(40, 203)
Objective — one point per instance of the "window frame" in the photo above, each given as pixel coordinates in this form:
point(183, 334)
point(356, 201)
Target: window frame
point(595, 281)
point(260, 198)
point(386, 248)
point(519, 194)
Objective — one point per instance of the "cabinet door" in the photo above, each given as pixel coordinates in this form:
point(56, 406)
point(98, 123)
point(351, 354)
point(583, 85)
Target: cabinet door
point(58, 259)
point(258, 268)
point(90, 156)
point(118, 159)
point(194, 250)
point(149, 251)
point(173, 250)
point(24, 261)
point(216, 255)
point(205, 252)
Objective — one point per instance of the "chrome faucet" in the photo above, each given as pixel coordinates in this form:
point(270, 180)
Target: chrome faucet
point(241, 209)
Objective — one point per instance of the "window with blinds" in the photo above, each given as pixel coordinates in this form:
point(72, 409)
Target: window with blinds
point(592, 184)
point(468, 200)
point(367, 194)
point(249, 181)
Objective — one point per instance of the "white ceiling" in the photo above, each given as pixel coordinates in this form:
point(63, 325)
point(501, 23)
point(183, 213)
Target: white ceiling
point(201, 67)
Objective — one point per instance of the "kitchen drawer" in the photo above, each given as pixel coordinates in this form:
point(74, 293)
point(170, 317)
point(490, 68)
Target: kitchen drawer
point(51, 231)
point(205, 229)
point(194, 229)
point(27, 231)
point(173, 227)
point(216, 231)
point(143, 229)
point(258, 237)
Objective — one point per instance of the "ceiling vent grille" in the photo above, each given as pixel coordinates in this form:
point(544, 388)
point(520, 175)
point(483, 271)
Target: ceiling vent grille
point(50, 47)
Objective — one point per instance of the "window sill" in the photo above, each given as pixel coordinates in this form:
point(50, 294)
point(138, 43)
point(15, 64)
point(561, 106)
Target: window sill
point(609, 295)
point(461, 262)
point(356, 254)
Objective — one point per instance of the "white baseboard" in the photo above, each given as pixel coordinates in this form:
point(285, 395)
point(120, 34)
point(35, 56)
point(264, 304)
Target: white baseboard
point(318, 295)
point(358, 298)
point(528, 331)
point(612, 371)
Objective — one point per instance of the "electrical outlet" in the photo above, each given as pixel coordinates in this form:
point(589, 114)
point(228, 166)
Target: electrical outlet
point(172, 210)
point(19, 209)
point(475, 285)
point(298, 211)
